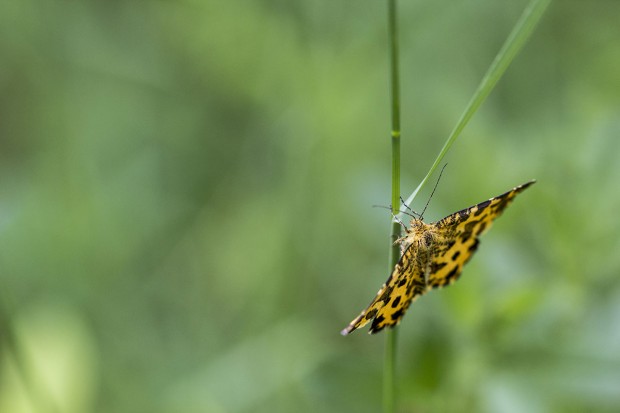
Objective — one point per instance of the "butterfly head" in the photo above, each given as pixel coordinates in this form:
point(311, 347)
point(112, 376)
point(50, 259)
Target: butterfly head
point(417, 227)
point(416, 224)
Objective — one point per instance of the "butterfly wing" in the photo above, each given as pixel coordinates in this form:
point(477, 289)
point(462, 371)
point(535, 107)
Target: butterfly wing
point(406, 282)
point(458, 234)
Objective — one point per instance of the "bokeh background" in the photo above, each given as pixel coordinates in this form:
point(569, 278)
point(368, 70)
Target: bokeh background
point(186, 219)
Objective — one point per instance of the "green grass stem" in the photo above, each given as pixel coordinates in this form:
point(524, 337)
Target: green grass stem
point(389, 372)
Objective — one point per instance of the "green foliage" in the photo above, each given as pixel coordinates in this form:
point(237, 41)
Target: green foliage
point(173, 174)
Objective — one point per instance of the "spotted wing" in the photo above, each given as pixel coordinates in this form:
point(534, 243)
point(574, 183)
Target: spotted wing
point(458, 234)
point(406, 282)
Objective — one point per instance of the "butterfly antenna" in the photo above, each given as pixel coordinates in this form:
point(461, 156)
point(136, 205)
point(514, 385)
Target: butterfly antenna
point(411, 212)
point(393, 216)
point(392, 211)
point(432, 193)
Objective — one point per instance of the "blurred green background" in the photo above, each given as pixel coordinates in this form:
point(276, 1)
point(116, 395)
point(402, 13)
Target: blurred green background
point(186, 220)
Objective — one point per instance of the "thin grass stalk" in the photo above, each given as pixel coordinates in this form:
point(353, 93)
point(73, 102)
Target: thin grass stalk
point(389, 373)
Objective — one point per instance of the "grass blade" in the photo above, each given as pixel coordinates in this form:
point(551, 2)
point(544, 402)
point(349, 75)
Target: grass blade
point(511, 47)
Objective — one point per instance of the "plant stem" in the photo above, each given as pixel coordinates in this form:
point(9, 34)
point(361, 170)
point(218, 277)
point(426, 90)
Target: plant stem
point(389, 372)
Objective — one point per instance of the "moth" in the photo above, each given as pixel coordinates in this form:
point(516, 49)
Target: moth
point(432, 256)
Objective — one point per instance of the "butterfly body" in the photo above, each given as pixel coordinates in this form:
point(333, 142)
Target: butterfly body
point(432, 256)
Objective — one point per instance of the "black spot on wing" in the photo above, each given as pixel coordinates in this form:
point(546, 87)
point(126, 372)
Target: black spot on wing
point(465, 236)
point(469, 226)
point(481, 206)
point(371, 314)
point(502, 204)
point(456, 255)
point(453, 273)
point(396, 302)
point(473, 247)
point(385, 297)
point(463, 213)
point(398, 314)
point(436, 266)
point(375, 328)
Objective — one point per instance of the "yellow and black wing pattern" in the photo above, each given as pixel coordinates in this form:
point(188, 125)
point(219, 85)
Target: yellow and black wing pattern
point(406, 282)
point(434, 256)
point(457, 236)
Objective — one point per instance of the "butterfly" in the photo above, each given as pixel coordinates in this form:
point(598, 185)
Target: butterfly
point(432, 256)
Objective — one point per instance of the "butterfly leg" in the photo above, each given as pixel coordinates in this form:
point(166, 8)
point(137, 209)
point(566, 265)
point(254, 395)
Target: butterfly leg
point(397, 219)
